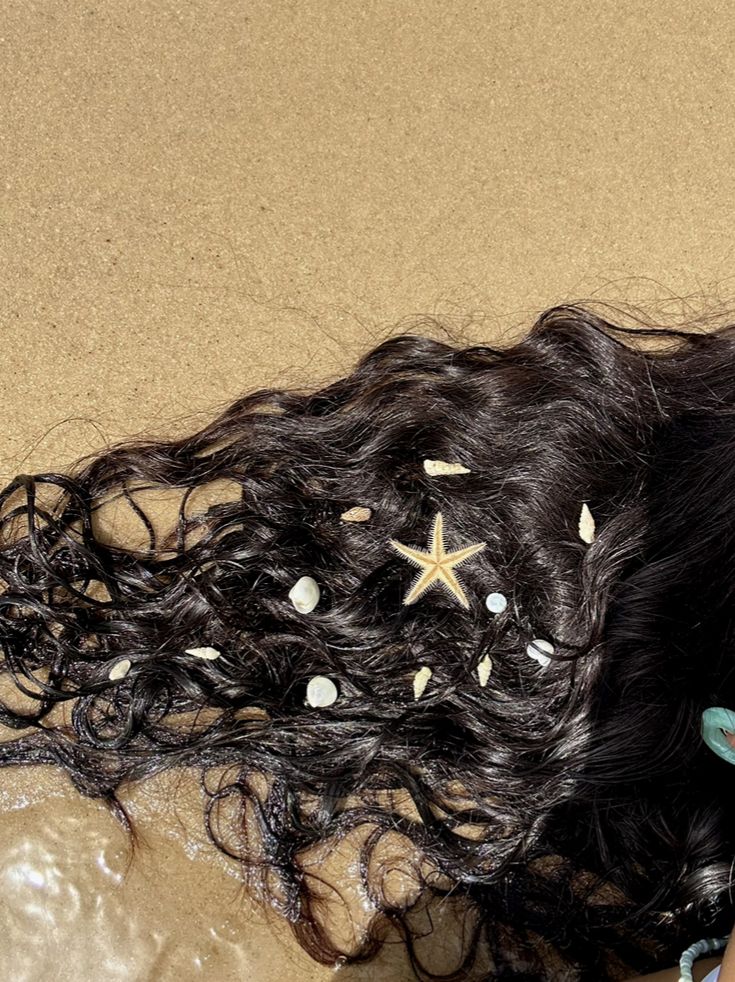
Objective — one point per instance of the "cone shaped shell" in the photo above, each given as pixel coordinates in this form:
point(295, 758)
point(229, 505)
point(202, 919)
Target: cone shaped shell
point(586, 524)
point(438, 467)
point(208, 653)
point(421, 680)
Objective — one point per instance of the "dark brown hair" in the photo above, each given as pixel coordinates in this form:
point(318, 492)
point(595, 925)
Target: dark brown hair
point(599, 824)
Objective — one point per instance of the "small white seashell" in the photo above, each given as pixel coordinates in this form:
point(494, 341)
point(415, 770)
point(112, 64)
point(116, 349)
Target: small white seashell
point(209, 653)
point(586, 524)
point(537, 648)
point(437, 467)
point(421, 680)
point(119, 670)
point(321, 691)
point(496, 602)
point(356, 514)
point(304, 594)
point(483, 670)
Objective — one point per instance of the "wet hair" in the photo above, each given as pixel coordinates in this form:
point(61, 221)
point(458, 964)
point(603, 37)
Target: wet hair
point(572, 808)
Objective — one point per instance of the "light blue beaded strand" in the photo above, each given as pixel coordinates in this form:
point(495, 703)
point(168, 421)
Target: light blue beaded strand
point(704, 947)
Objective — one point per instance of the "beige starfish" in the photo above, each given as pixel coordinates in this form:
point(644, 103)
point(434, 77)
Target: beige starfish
point(436, 564)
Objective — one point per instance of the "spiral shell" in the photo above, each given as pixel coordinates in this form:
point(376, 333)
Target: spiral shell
point(484, 669)
point(586, 524)
point(421, 680)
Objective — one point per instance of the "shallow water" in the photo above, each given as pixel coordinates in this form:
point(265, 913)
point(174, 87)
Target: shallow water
point(74, 907)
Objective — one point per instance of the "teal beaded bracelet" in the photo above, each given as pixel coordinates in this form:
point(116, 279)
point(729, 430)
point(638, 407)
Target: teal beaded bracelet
point(704, 947)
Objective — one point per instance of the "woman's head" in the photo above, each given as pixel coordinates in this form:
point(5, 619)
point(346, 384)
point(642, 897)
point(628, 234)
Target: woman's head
point(578, 755)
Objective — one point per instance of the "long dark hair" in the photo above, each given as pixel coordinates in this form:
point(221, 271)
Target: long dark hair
point(572, 807)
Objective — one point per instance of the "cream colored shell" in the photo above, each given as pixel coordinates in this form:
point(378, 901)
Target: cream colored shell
point(484, 669)
point(438, 467)
point(119, 670)
point(304, 594)
point(321, 692)
point(357, 514)
point(540, 649)
point(421, 680)
point(586, 524)
point(209, 653)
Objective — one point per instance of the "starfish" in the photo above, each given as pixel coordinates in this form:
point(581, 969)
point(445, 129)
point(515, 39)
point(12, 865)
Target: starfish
point(436, 564)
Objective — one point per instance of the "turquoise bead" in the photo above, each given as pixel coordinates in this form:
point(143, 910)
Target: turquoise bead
point(714, 721)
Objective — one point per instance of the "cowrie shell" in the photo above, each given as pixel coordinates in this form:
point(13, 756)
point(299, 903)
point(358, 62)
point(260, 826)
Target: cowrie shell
point(321, 691)
point(119, 670)
point(209, 653)
point(304, 594)
point(539, 650)
point(437, 467)
point(421, 680)
point(483, 670)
